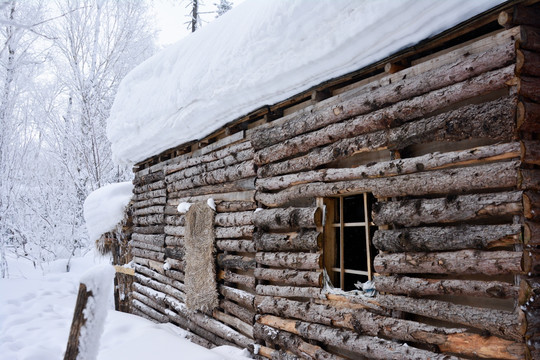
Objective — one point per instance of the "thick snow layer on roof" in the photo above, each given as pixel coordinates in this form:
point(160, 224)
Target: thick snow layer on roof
point(260, 53)
point(104, 208)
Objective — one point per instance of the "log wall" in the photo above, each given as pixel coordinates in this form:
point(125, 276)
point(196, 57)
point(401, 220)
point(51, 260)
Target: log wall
point(456, 181)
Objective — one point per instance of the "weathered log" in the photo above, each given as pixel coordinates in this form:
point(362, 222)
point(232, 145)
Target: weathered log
point(389, 117)
point(140, 180)
point(269, 353)
point(236, 245)
point(236, 232)
point(241, 297)
point(203, 168)
point(530, 179)
point(528, 116)
point(501, 323)
point(447, 238)
point(241, 185)
point(248, 196)
point(145, 246)
point(493, 120)
point(287, 219)
point(520, 15)
point(155, 229)
point(175, 220)
point(149, 220)
point(186, 323)
point(219, 176)
point(367, 323)
point(455, 262)
point(448, 209)
point(531, 233)
point(290, 277)
point(78, 322)
point(234, 219)
point(527, 63)
point(300, 261)
point(293, 343)
point(426, 162)
point(403, 285)
point(529, 87)
point(290, 291)
point(149, 210)
point(530, 152)
point(148, 311)
point(334, 109)
point(171, 240)
point(161, 287)
point(176, 264)
point(182, 163)
point(245, 280)
point(529, 38)
point(148, 254)
point(150, 202)
point(240, 312)
point(148, 296)
point(235, 262)
point(234, 206)
point(531, 205)
point(150, 195)
point(133, 310)
point(160, 277)
point(175, 252)
point(234, 322)
point(490, 176)
point(175, 230)
point(370, 347)
point(352, 302)
point(154, 239)
point(307, 240)
point(149, 187)
point(531, 262)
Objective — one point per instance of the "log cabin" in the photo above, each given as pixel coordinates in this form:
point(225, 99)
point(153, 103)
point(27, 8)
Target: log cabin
point(391, 212)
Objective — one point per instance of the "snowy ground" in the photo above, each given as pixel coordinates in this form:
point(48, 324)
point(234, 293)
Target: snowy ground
point(36, 312)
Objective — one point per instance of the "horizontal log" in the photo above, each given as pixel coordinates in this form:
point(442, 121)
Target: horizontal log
point(287, 219)
point(154, 229)
point(231, 173)
point(290, 291)
point(148, 311)
point(164, 278)
point(388, 117)
point(446, 238)
point(175, 252)
point(140, 180)
point(426, 162)
point(149, 210)
point(149, 187)
point(290, 277)
point(154, 239)
point(240, 312)
point(464, 262)
point(527, 63)
point(235, 232)
point(236, 245)
point(232, 277)
point(529, 38)
point(150, 195)
point(234, 322)
point(293, 343)
point(501, 323)
point(521, 15)
point(528, 116)
point(367, 323)
point(225, 187)
point(370, 347)
point(248, 196)
point(133, 310)
point(186, 323)
point(145, 246)
point(306, 240)
point(234, 219)
point(149, 220)
point(159, 286)
point(529, 88)
point(446, 181)
point(148, 254)
point(150, 297)
point(335, 109)
point(448, 209)
point(176, 264)
point(269, 353)
point(234, 206)
point(241, 297)
point(301, 261)
point(492, 120)
point(150, 202)
point(175, 220)
point(531, 205)
point(235, 262)
point(531, 262)
point(171, 240)
point(175, 230)
point(204, 168)
point(403, 285)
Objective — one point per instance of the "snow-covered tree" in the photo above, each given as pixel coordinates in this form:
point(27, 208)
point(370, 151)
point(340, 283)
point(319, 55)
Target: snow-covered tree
point(223, 6)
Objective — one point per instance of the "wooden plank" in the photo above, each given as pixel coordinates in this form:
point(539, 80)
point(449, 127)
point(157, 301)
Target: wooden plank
point(124, 270)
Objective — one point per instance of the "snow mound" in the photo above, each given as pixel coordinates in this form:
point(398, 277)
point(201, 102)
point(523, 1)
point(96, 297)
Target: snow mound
point(104, 208)
point(260, 53)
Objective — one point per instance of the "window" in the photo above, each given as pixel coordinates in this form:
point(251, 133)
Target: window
point(348, 253)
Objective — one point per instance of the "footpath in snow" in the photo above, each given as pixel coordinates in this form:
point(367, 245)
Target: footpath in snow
point(36, 312)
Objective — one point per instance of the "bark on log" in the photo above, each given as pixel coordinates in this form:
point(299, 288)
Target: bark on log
point(175, 230)
point(217, 196)
point(290, 291)
point(161, 287)
point(290, 277)
point(235, 262)
point(203, 168)
point(447, 181)
point(521, 15)
point(145, 246)
point(156, 229)
point(234, 206)
point(403, 285)
point(501, 323)
point(165, 279)
point(293, 343)
point(241, 297)
point(149, 210)
point(176, 264)
point(245, 280)
point(175, 252)
point(432, 161)
point(225, 187)
point(269, 353)
point(386, 118)
point(529, 87)
point(150, 195)
point(531, 205)
point(148, 254)
point(171, 240)
point(455, 262)
point(154, 239)
point(151, 313)
point(236, 232)
point(234, 219)
point(150, 202)
point(240, 312)
point(370, 347)
point(186, 323)
point(231, 173)
point(527, 63)
point(175, 220)
point(247, 246)
point(149, 187)
point(531, 262)
point(308, 240)
point(528, 116)
point(334, 109)
point(287, 219)
point(234, 322)
point(492, 120)
point(149, 220)
point(300, 261)
point(448, 209)
point(140, 180)
point(447, 238)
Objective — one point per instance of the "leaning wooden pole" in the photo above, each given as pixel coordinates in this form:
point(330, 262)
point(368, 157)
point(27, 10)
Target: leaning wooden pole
point(78, 322)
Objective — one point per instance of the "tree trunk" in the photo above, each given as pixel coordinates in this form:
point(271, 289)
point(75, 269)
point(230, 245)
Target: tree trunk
point(308, 240)
point(287, 219)
point(301, 261)
point(290, 277)
point(464, 262)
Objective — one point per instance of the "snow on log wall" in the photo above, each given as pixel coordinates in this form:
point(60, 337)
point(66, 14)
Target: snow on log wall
point(448, 147)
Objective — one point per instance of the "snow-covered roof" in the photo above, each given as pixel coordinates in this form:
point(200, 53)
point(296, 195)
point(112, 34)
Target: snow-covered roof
point(260, 53)
point(104, 208)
